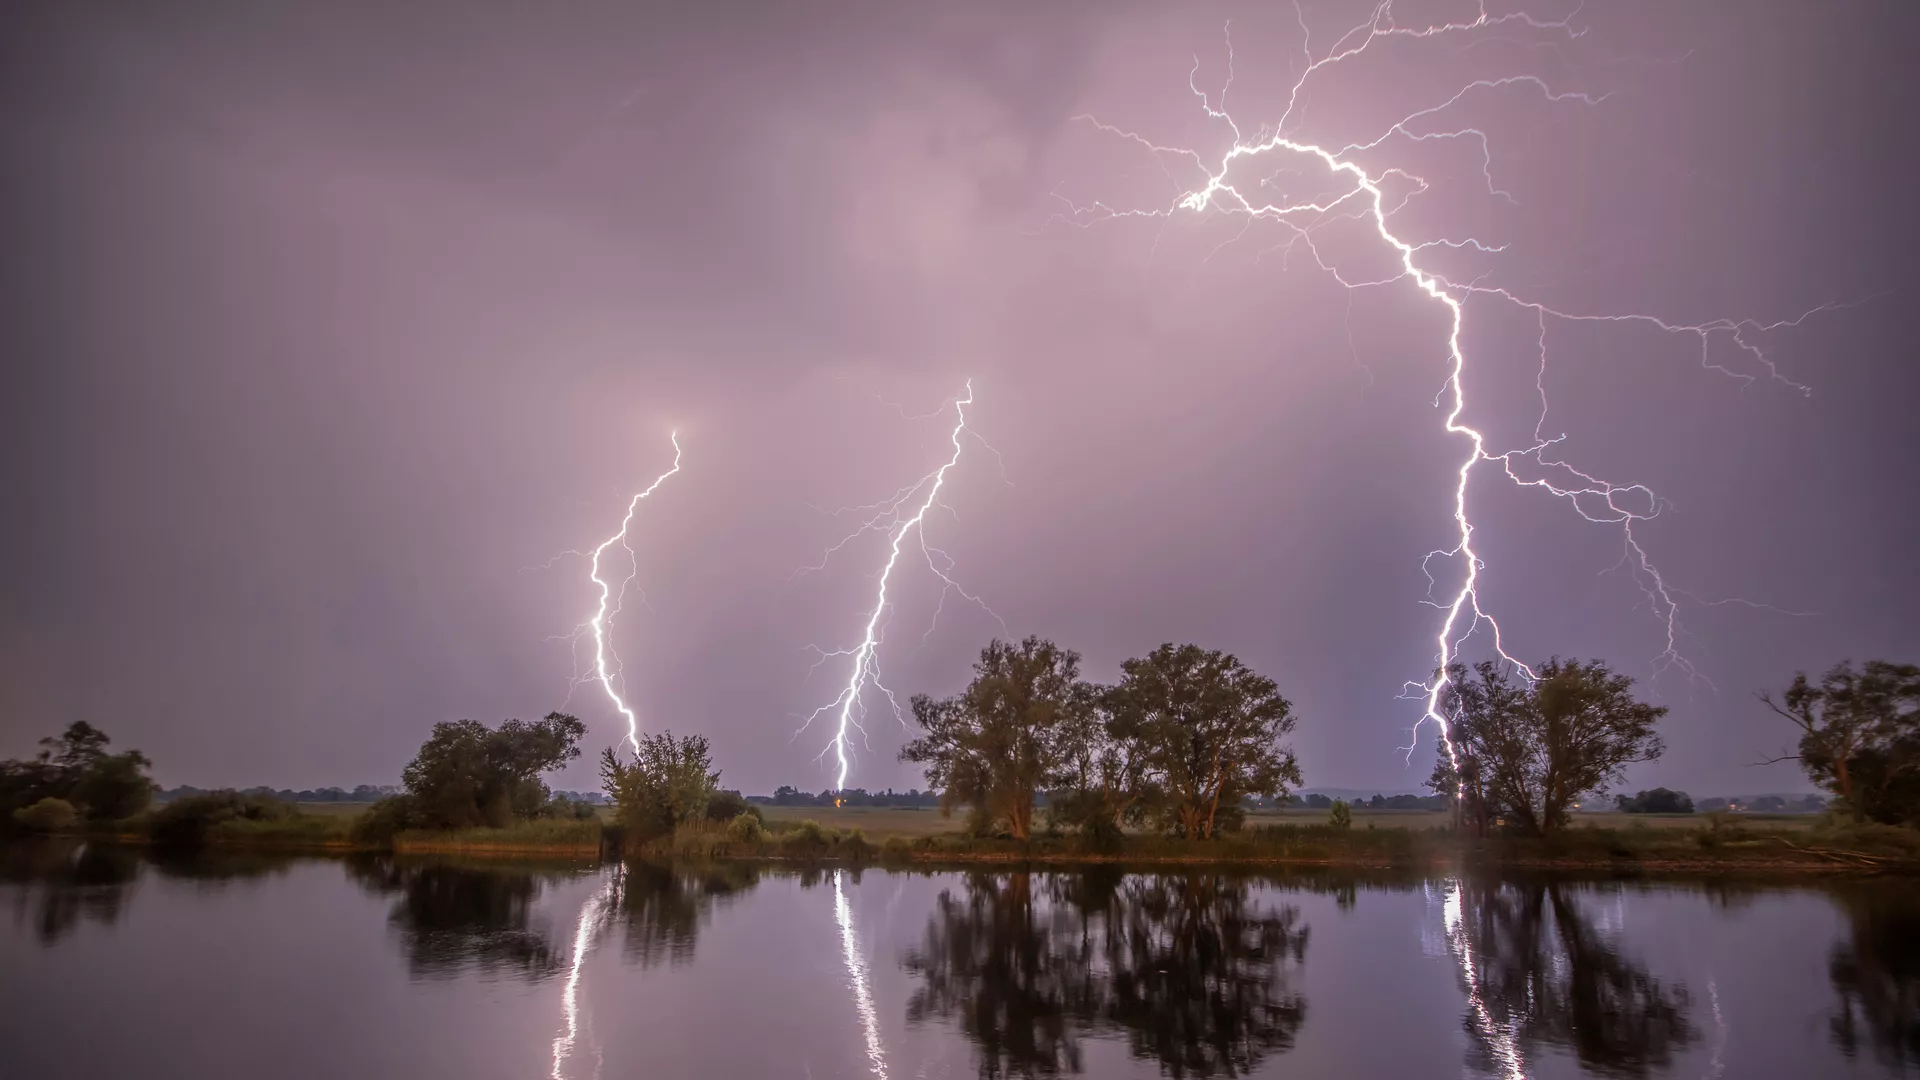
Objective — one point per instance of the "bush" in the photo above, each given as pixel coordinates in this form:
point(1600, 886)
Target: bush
point(1341, 816)
point(896, 849)
point(856, 846)
point(745, 828)
point(806, 839)
point(48, 815)
point(668, 783)
point(379, 823)
point(725, 806)
point(186, 822)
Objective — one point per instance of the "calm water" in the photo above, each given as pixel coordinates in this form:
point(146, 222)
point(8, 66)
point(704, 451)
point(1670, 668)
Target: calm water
point(113, 964)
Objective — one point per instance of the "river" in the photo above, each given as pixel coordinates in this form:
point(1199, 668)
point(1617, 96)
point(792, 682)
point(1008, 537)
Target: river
point(114, 963)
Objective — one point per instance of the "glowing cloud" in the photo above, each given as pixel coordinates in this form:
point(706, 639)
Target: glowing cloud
point(1362, 195)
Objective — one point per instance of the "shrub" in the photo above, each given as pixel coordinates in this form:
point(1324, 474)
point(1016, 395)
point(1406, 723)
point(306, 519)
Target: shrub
point(379, 823)
point(47, 815)
point(856, 846)
point(745, 828)
point(806, 839)
point(725, 806)
point(1341, 816)
point(667, 784)
point(185, 822)
point(897, 849)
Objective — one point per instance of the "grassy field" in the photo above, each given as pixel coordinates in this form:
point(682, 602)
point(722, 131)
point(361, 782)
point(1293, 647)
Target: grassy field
point(1404, 839)
point(882, 822)
point(877, 822)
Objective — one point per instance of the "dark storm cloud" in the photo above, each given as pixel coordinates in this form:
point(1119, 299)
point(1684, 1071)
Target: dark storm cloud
point(324, 323)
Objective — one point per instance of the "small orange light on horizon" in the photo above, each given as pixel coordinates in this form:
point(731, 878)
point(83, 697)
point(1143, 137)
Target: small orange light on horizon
point(836, 804)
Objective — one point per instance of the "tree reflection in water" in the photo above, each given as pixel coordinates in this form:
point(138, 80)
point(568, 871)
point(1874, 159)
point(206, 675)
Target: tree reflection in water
point(662, 908)
point(1538, 972)
point(64, 883)
point(1189, 967)
point(452, 919)
point(1876, 974)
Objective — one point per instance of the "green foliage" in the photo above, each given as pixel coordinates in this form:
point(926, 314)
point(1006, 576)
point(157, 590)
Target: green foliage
point(49, 815)
point(855, 845)
point(1860, 737)
point(897, 849)
point(806, 840)
point(186, 822)
point(1529, 751)
point(467, 774)
point(745, 828)
point(385, 819)
point(1341, 816)
point(1006, 736)
point(670, 782)
point(727, 805)
point(75, 768)
point(1207, 733)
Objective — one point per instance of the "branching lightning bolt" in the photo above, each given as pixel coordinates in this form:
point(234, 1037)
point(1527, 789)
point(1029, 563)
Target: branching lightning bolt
point(892, 516)
point(1364, 196)
point(597, 626)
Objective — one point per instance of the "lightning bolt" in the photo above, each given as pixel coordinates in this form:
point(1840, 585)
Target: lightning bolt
point(892, 517)
point(597, 625)
point(1362, 195)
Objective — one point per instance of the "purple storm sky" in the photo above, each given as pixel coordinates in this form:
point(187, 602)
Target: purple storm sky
point(325, 325)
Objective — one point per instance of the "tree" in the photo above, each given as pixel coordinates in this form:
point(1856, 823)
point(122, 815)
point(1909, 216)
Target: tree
point(1658, 801)
point(75, 767)
point(1208, 729)
point(669, 782)
point(467, 774)
point(1531, 751)
point(1340, 816)
point(1103, 779)
point(1860, 737)
point(1006, 736)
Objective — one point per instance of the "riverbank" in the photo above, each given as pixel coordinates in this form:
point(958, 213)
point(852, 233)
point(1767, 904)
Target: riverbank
point(1420, 844)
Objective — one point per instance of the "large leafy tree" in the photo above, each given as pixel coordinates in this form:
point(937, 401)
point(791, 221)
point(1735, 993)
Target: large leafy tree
point(468, 774)
point(1860, 737)
point(1207, 732)
point(1007, 735)
point(76, 767)
point(669, 782)
point(1531, 749)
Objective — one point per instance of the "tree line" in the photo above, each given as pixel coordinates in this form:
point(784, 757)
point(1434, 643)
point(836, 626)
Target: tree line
point(1183, 742)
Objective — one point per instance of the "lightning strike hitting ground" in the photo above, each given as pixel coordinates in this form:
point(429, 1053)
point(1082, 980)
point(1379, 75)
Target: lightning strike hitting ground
point(597, 625)
point(887, 516)
point(1363, 195)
